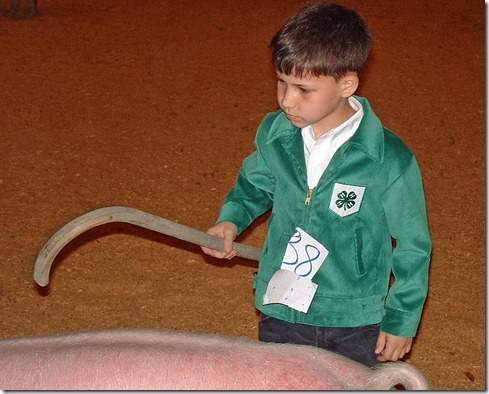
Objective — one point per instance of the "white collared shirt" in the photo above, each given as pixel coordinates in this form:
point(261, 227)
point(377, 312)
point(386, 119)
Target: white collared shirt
point(319, 152)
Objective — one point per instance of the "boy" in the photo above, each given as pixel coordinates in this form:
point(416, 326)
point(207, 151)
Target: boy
point(341, 188)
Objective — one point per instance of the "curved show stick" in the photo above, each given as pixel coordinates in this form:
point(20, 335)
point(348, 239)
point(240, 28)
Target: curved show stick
point(132, 216)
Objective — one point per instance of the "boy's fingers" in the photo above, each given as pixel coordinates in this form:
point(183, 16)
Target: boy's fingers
point(227, 231)
point(219, 254)
point(394, 351)
point(228, 242)
point(380, 345)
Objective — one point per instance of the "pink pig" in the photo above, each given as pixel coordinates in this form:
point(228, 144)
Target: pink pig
point(150, 359)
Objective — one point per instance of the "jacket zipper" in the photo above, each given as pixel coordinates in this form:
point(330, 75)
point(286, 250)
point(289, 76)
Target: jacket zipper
point(309, 196)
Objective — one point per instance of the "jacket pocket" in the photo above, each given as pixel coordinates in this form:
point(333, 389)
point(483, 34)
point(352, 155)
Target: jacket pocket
point(359, 252)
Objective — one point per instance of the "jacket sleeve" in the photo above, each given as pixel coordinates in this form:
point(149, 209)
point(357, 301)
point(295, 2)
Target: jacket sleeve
point(252, 194)
point(405, 209)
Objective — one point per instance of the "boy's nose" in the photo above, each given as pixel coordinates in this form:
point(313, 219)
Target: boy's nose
point(286, 100)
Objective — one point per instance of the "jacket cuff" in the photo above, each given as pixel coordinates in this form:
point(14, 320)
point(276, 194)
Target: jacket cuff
point(399, 323)
point(235, 213)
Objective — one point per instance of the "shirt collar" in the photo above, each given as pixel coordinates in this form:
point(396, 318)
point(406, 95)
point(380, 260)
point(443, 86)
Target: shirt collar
point(344, 131)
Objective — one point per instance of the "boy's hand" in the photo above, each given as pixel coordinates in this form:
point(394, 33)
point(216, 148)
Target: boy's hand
point(391, 347)
point(228, 231)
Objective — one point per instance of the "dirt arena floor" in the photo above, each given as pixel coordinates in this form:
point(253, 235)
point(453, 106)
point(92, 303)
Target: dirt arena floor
point(153, 104)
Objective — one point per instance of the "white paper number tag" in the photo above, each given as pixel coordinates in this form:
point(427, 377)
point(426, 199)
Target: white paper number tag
point(291, 285)
point(304, 255)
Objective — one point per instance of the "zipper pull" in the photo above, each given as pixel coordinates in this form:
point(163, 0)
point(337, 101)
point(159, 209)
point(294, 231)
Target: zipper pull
point(309, 196)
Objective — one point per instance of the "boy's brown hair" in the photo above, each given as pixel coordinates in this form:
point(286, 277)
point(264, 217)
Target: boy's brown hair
point(322, 39)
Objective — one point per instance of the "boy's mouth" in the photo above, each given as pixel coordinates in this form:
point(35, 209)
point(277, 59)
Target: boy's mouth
point(292, 118)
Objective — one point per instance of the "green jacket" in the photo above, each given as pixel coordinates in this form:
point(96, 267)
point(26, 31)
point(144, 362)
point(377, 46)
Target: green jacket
point(354, 281)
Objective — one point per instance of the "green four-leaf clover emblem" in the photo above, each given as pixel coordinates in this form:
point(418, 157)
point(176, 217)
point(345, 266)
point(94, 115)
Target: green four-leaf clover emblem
point(345, 200)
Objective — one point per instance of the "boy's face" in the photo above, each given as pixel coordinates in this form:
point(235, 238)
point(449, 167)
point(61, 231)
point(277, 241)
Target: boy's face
point(318, 101)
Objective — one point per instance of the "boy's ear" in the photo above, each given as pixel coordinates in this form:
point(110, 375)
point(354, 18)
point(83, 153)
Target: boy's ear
point(349, 83)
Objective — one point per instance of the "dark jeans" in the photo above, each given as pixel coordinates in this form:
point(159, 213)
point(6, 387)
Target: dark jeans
point(356, 343)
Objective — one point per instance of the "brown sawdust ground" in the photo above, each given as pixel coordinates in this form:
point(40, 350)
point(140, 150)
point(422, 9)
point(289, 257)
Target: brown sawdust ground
point(153, 105)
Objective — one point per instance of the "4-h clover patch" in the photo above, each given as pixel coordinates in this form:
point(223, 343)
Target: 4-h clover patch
point(346, 199)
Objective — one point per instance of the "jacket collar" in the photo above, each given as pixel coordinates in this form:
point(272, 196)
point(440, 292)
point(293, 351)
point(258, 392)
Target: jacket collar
point(369, 136)
point(290, 138)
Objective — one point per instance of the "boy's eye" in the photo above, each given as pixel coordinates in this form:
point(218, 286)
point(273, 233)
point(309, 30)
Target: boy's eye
point(304, 90)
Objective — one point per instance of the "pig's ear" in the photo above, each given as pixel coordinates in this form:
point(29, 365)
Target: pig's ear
point(388, 376)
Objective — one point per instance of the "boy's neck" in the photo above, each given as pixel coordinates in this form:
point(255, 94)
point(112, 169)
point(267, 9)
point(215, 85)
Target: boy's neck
point(344, 112)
